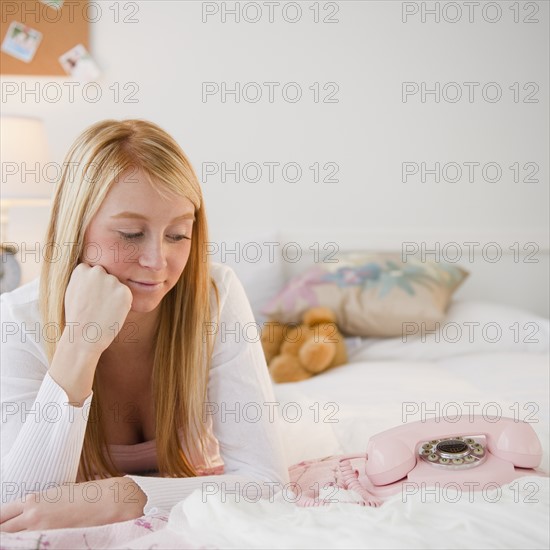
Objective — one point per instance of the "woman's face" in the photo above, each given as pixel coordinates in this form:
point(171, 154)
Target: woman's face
point(141, 238)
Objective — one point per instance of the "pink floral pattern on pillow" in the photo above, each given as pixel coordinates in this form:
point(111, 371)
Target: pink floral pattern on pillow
point(371, 294)
point(299, 289)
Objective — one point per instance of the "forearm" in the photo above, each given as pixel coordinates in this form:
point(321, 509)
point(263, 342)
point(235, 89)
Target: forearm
point(88, 504)
point(73, 367)
point(46, 448)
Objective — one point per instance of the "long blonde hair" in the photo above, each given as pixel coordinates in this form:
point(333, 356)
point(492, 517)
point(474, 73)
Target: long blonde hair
point(98, 157)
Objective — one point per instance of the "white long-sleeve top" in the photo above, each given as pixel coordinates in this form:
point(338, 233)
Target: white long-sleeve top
point(42, 435)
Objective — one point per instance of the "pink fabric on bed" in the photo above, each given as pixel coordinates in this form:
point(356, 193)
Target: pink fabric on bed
point(310, 478)
point(116, 535)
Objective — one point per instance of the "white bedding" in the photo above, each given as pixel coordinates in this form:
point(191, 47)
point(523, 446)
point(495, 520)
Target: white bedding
point(342, 408)
point(369, 396)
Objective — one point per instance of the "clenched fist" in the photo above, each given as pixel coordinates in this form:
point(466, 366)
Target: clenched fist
point(97, 304)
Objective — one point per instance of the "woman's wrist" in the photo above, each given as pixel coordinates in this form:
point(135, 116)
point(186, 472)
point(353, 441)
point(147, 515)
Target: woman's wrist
point(124, 498)
point(73, 368)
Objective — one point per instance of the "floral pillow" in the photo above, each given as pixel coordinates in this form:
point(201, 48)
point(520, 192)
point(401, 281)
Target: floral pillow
point(371, 294)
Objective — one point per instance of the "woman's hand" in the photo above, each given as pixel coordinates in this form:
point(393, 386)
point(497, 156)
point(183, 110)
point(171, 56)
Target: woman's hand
point(86, 504)
point(98, 299)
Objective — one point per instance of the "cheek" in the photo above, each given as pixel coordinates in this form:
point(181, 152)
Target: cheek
point(122, 253)
point(178, 261)
point(110, 254)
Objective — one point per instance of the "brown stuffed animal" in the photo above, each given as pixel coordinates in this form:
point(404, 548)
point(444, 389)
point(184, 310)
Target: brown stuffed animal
point(297, 352)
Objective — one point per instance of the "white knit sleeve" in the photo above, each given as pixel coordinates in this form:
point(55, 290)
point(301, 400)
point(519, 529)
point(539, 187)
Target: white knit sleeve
point(41, 433)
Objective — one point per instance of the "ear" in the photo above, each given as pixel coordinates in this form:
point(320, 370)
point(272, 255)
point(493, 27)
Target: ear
point(317, 315)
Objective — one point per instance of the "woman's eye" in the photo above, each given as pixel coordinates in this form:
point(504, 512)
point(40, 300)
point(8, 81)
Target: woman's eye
point(131, 236)
point(179, 237)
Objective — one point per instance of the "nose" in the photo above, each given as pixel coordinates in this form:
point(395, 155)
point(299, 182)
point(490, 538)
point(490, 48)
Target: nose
point(152, 254)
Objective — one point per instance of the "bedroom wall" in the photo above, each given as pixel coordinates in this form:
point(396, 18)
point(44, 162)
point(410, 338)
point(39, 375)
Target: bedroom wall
point(379, 109)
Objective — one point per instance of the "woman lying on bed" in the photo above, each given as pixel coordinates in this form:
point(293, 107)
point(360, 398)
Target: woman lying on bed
point(125, 357)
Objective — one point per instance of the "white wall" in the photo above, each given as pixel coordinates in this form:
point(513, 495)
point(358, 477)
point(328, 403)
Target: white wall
point(167, 54)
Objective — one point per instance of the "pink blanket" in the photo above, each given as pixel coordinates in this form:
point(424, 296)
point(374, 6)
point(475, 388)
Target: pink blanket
point(103, 536)
point(310, 480)
point(317, 482)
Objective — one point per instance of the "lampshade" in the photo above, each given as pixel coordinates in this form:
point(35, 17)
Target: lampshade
point(24, 158)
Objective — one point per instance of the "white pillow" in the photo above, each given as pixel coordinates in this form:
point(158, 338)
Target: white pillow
point(257, 264)
point(469, 327)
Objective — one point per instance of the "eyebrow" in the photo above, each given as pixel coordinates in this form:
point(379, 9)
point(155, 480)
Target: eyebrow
point(189, 216)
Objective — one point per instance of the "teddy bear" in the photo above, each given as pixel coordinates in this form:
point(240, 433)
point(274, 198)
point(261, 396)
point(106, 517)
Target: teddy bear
point(296, 352)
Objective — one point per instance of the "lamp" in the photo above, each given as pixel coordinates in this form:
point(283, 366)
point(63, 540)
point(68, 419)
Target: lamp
point(24, 155)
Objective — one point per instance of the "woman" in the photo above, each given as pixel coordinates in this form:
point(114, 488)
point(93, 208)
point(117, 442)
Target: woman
point(137, 365)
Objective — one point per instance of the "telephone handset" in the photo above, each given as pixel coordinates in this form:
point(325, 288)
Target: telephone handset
point(471, 448)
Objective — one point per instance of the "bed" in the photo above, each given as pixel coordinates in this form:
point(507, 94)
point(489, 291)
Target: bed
point(385, 382)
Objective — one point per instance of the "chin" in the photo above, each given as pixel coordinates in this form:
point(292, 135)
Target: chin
point(139, 305)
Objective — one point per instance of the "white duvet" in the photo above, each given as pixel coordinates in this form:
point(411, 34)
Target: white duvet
point(369, 396)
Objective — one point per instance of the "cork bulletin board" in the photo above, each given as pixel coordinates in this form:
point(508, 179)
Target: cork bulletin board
point(62, 28)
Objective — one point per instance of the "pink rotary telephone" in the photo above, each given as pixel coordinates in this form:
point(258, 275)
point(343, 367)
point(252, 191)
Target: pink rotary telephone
point(470, 452)
point(470, 449)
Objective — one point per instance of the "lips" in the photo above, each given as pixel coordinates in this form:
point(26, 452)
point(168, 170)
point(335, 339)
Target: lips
point(146, 285)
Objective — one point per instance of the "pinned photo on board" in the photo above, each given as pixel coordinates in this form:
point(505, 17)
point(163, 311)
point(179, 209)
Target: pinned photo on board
point(78, 63)
point(21, 41)
point(53, 3)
